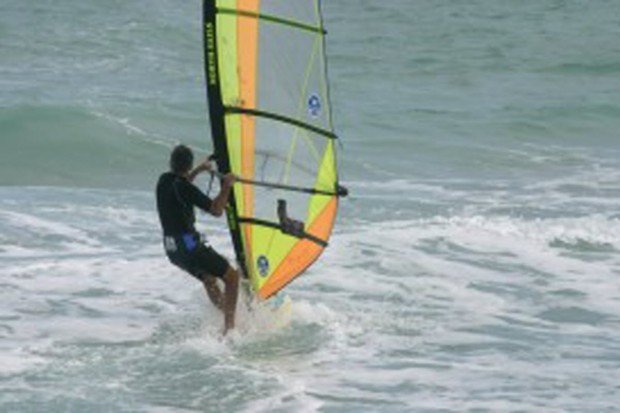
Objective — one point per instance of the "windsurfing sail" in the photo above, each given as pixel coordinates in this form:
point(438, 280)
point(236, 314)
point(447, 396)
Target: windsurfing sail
point(271, 125)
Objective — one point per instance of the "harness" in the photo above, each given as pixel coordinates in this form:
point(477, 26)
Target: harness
point(186, 242)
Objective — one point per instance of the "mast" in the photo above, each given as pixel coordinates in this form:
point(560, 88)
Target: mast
point(218, 125)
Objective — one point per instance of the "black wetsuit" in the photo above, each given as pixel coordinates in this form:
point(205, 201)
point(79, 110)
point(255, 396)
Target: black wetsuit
point(176, 200)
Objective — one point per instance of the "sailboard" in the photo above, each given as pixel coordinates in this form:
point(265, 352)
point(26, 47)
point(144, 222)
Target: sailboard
point(271, 125)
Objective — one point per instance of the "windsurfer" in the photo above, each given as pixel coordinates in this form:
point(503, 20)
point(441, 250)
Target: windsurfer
point(176, 199)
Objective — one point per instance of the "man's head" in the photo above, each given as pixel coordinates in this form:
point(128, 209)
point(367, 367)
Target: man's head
point(181, 160)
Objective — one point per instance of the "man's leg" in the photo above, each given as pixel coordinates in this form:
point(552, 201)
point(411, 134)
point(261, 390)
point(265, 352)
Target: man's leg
point(213, 291)
point(231, 291)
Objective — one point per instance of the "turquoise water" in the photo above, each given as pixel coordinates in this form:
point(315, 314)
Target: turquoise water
point(474, 268)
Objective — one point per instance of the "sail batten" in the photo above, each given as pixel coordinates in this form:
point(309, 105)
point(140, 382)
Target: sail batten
point(272, 19)
point(280, 118)
point(271, 125)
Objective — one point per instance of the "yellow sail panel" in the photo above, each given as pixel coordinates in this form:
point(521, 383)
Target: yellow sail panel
point(228, 62)
point(228, 53)
point(324, 180)
point(270, 247)
point(227, 56)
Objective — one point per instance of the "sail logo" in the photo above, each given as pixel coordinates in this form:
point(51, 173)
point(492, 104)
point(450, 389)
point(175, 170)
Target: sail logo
point(210, 42)
point(314, 105)
point(263, 265)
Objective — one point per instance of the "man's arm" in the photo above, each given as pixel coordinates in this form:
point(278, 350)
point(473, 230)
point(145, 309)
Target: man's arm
point(202, 167)
point(220, 201)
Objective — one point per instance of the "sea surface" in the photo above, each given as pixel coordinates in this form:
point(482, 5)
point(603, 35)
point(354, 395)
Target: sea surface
point(474, 268)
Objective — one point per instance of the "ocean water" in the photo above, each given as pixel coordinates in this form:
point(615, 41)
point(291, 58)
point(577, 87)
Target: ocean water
point(474, 268)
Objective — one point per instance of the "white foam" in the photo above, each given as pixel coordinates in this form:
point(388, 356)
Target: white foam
point(389, 302)
point(19, 360)
point(44, 226)
point(135, 131)
point(293, 397)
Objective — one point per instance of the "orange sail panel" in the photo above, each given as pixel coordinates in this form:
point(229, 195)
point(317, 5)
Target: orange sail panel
point(247, 45)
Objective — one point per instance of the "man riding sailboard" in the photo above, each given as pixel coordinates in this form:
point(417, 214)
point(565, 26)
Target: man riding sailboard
point(272, 127)
point(177, 198)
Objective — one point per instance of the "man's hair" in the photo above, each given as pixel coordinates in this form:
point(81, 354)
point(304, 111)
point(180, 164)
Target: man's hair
point(181, 159)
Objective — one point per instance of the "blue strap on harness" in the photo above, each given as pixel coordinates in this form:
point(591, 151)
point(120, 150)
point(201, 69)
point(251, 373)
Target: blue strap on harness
point(190, 242)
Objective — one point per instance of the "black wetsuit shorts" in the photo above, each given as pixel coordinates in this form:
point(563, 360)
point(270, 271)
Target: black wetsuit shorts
point(190, 254)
